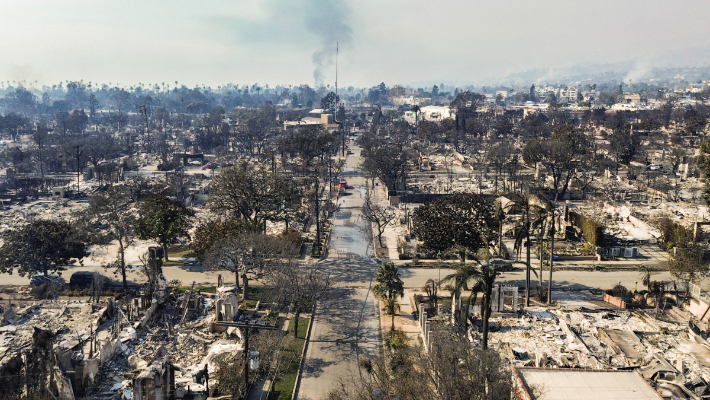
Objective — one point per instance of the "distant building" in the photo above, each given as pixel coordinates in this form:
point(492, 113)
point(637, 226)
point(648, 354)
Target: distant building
point(325, 120)
point(632, 98)
point(543, 92)
point(590, 96)
point(568, 94)
point(411, 101)
point(435, 113)
point(623, 107)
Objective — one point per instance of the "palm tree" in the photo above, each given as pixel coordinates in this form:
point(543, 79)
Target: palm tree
point(487, 279)
point(523, 231)
point(645, 276)
point(416, 110)
point(459, 281)
point(389, 286)
point(484, 277)
point(544, 222)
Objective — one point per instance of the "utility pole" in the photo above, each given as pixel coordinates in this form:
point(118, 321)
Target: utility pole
point(246, 326)
point(336, 68)
point(78, 166)
point(317, 194)
point(144, 110)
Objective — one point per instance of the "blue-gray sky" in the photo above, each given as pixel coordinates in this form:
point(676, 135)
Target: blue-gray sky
point(273, 42)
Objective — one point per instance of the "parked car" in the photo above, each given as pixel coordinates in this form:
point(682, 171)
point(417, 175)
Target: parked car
point(84, 279)
point(41, 279)
point(500, 264)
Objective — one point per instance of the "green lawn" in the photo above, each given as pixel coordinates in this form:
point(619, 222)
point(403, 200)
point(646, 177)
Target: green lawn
point(283, 388)
point(201, 289)
point(255, 294)
point(174, 257)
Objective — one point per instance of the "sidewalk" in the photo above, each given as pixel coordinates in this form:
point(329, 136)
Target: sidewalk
point(404, 319)
point(390, 235)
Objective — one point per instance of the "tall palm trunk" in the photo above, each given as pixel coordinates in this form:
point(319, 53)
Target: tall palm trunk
point(122, 261)
point(527, 269)
point(245, 284)
point(552, 255)
point(542, 254)
point(486, 314)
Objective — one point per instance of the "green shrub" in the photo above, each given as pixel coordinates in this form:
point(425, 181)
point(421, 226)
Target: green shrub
point(397, 340)
point(621, 292)
point(592, 231)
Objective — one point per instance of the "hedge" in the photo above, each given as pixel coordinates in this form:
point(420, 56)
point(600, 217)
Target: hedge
point(592, 231)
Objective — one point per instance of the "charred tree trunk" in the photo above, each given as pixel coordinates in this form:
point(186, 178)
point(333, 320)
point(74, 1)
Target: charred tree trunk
point(245, 281)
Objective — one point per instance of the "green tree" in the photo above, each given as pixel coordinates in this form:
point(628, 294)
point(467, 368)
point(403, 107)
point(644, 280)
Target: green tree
point(465, 274)
point(483, 278)
point(11, 124)
point(208, 233)
point(462, 222)
point(310, 144)
point(21, 101)
point(415, 108)
point(76, 122)
point(329, 103)
point(41, 246)
point(486, 280)
point(687, 262)
point(389, 286)
point(464, 107)
point(164, 220)
point(255, 127)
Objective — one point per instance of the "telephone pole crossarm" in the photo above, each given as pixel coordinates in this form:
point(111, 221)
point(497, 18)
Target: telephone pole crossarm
point(246, 327)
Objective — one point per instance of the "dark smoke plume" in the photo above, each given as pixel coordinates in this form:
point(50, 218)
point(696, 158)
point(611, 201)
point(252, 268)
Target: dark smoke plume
point(329, 21)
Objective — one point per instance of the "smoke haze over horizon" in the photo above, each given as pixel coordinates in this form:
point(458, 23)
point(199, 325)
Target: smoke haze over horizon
point(399, 42)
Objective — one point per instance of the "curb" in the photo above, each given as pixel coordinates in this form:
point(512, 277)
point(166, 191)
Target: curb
point(297, 385)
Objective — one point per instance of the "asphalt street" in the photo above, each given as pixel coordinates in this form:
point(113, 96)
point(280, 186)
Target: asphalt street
point(346, 325)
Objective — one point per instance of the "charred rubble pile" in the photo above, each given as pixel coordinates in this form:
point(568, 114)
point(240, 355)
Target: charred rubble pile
point(140, 348)
point(667, 351)
point(74, 339)
point(172, 351)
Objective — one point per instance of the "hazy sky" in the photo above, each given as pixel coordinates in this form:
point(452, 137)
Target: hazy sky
point(287, 42)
